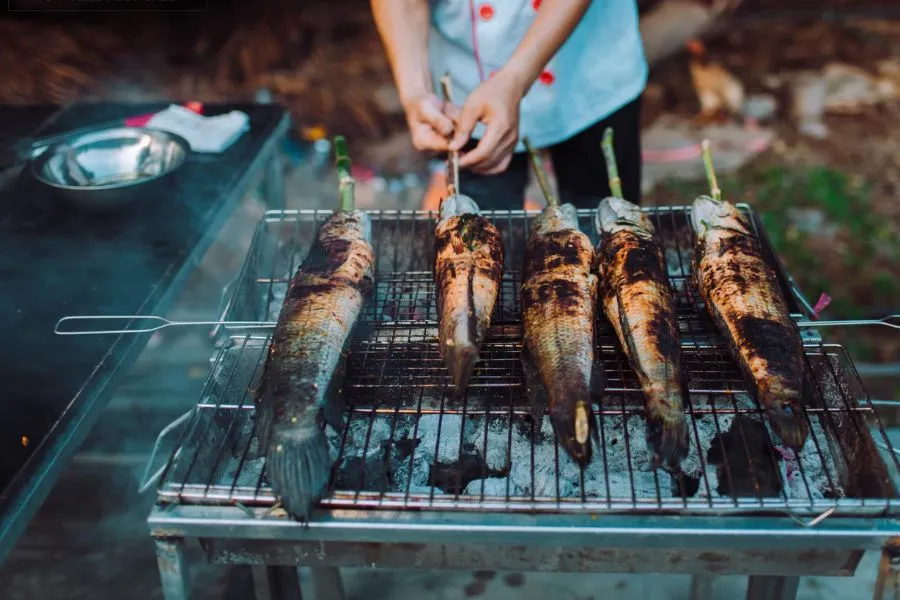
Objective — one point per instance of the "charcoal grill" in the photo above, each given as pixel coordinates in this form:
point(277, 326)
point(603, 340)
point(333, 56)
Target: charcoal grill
point(422, 480)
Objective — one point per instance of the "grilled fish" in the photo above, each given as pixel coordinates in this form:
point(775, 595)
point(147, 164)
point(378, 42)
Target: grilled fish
point(303, 372)
point(637, 300)
point(559, 296)
point(468, 267)
point(741, 293)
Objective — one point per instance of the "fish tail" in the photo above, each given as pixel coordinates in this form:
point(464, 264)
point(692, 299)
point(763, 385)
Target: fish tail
point(298, 465)
point(789, 424)
point(572, 425)
point(787, 418)
point(668, 436)
point(461, 357)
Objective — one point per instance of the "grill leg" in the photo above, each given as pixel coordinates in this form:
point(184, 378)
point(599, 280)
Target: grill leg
point(701, 587)
point(274, 182)
point(326, 583)
point(766, 587)
point(887, 585)
point(172, 568)
point(276, 583)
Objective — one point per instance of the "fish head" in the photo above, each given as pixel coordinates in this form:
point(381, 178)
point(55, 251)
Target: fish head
point(615, 214)
point(555, 218)
point(457, 204)
point(348, 225)
point(708, 214)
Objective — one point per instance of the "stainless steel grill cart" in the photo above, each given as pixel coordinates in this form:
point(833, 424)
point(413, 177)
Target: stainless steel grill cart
point(422, 481)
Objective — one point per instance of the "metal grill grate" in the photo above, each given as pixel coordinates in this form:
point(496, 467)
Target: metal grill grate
point(407, 445)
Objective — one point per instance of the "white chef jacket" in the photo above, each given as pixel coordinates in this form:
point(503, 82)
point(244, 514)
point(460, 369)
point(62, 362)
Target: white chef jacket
point(600, 67)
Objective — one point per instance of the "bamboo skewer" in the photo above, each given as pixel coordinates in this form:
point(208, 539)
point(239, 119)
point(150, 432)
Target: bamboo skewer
point(714, 190)
point(452, 156)
point(612, 170)
point(346, 183)
point(541, 175)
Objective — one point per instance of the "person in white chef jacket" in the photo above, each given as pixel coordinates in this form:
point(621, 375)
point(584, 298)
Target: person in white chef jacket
point(556, 71)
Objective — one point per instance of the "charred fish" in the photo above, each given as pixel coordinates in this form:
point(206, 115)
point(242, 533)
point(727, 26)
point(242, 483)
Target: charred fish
point(559, 300)
point(742, 295)
point(468, 268)
point(637, 300)
point(303, 373)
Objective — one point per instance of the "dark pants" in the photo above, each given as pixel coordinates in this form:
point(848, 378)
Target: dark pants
point(577, 162)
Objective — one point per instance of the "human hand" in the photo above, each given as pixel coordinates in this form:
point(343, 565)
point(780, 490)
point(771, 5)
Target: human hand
point(430, 122)
point(496, 104)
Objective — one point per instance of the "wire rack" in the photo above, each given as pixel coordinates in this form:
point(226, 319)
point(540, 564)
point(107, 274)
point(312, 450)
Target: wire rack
point(406, 444)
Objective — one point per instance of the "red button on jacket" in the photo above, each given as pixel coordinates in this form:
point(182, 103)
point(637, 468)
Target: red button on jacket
point(546, 78)
point(486, 12)
point(535, 4)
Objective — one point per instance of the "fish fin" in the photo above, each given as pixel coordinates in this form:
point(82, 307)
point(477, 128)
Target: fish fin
point(298, 465)
point(668, 436)
point(787, 417)
point(262, 425)
point(597, 390)
point(335, 400)
point(668, 433)
point(534, 388)
point(789, 425)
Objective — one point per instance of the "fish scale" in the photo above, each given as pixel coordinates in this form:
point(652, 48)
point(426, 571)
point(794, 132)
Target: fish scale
point(468, 270)
point(638, 302)
point(559, 295)
point(741, 293)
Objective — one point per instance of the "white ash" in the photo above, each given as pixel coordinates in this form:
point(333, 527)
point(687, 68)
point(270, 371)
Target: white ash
point(424, 490)
point(493, 487)
point(808, 468)
point(512, 455)
point(444, 444)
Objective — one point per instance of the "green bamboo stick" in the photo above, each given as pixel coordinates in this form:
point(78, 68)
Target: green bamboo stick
point(538, 167)
point(346, 183)
point(612, 170)
point(714, 190)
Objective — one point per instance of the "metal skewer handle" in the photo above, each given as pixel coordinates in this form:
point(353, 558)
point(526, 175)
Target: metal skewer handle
point(892, 321)
point(161, 324)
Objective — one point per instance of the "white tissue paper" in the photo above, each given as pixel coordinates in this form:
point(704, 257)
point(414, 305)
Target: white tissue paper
point(204, 134)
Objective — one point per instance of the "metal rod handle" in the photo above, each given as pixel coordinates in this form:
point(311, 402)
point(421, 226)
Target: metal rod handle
point(147, 480)
point(892, 321)
point(161, 323)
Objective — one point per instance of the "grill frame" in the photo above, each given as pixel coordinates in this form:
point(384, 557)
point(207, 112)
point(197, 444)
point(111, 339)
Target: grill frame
point(245, 305)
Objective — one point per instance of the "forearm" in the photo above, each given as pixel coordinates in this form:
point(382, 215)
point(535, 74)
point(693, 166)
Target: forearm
point(552, 26)
point(403, 27)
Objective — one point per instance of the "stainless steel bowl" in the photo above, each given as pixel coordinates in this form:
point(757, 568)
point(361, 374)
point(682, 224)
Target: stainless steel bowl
point(105, 169)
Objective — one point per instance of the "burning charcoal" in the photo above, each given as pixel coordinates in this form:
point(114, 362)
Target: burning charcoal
point(367, 434)
point(403, 448)
point(453, 478)
point(684, 486)
point(363, 474)
point(746, 450)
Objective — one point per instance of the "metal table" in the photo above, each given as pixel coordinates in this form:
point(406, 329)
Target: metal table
point(839, 502)
point(55, 260)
